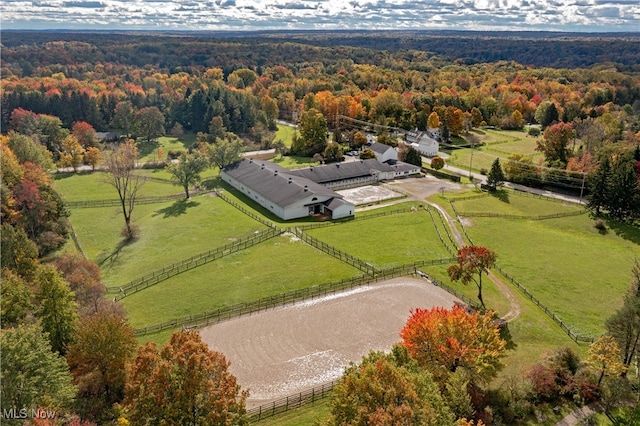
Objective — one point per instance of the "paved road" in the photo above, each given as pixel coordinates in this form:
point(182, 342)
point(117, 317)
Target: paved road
point(517, 187)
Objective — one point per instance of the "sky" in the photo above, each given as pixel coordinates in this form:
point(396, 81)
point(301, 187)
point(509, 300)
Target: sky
point(484, 15)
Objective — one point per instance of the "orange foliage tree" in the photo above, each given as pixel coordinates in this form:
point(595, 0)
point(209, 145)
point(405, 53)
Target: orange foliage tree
point(184, 383)
point(443, 341)
point(472, 262)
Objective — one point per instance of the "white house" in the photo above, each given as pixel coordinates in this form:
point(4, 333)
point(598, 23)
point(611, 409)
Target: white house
point(286, 195)
point(384, 152)
point(424, 142)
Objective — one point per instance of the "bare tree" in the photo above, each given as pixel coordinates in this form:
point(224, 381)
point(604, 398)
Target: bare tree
point(120, 166)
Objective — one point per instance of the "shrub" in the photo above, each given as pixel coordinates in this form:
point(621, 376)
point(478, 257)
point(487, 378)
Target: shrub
point(600, 224)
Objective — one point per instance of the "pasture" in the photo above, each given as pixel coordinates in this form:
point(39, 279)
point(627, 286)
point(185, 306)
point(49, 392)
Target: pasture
point(577, 271)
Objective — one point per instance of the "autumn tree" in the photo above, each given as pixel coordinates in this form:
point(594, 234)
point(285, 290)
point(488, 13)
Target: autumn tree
point(604, 358)
point(624, 324)
point(223, 152)
point(149, 123)
point(26, 149)
point(85, 134)
point(495, 178)
point(445, 340)
point(15, 299)
point(333, 152)
point(57, 308)
point(455, 120)
point(367, 154)
point(313, 133)
point(186, 171)
point(103, 344)
point(472, 263)
point(19, 253)
point(121, 175)
point(32, 375)
point(72, 153)
point(555, 143)
point(42, 214)
point(93, 156)
point(433, 122)
point(163, 385)
point(437, 163)
point(123, 117)
point(388, 390)
point(84, 280)
point(359, 139)
point(271, 111)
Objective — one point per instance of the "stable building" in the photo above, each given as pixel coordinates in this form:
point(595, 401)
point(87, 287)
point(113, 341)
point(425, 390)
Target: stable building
point(285, 194)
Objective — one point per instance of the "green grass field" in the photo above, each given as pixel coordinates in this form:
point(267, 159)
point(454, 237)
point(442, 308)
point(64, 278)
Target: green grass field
point(169, 232)
point(241, 277)
point(285, 134)
point(94, 186)
point(410, 237)
point(575, 270)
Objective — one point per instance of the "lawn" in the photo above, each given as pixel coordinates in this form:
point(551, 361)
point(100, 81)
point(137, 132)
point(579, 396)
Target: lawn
point(244, 276)
point(285, 134)
point(148, 151)
point(514, 203)
point(293, 162)
point(169, 232)
point(304, 416)
point(579, 273)
point(387, 241)
point(94, 186)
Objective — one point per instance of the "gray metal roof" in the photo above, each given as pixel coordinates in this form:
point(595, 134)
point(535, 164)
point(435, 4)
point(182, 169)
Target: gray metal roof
point(341, 171)
point(275, 183)
point(380, 148)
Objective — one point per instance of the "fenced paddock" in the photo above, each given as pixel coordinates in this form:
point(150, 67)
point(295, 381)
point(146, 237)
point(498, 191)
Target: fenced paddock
point(293, 348)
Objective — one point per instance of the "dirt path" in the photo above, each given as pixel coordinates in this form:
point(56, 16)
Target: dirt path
point(420, 189)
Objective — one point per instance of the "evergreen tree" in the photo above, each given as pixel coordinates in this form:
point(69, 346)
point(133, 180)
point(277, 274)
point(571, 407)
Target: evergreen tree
point(495, 178)
point(599, 187)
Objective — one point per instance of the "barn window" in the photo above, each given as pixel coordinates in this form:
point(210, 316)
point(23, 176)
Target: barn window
point(314, 199)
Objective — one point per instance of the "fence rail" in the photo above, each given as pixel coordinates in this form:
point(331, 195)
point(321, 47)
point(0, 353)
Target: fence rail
point(245, 211)
point(187, 264)
point(290, 402)
point(572, 334)
point(215, 316)
point(338, 254)
point(84, 204)
point(452, 251)
point(516, 216)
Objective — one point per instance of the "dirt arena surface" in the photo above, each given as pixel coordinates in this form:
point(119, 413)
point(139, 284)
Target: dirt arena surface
point(287, 350)
point(368, 194)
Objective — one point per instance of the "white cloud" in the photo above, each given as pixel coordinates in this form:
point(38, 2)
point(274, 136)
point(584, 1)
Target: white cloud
point(559, 15)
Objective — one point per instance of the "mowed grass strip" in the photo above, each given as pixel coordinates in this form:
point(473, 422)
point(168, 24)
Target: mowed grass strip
point(578, 273)
point(94, 186)
point(514, 203)
point(387, 241)
point(273, 267)
point(169, 233)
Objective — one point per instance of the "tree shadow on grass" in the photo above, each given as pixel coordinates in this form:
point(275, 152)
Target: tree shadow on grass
point(176, 209)
point(112, 258)
point(147, 147)
point(625, 230)
point(501, 195)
